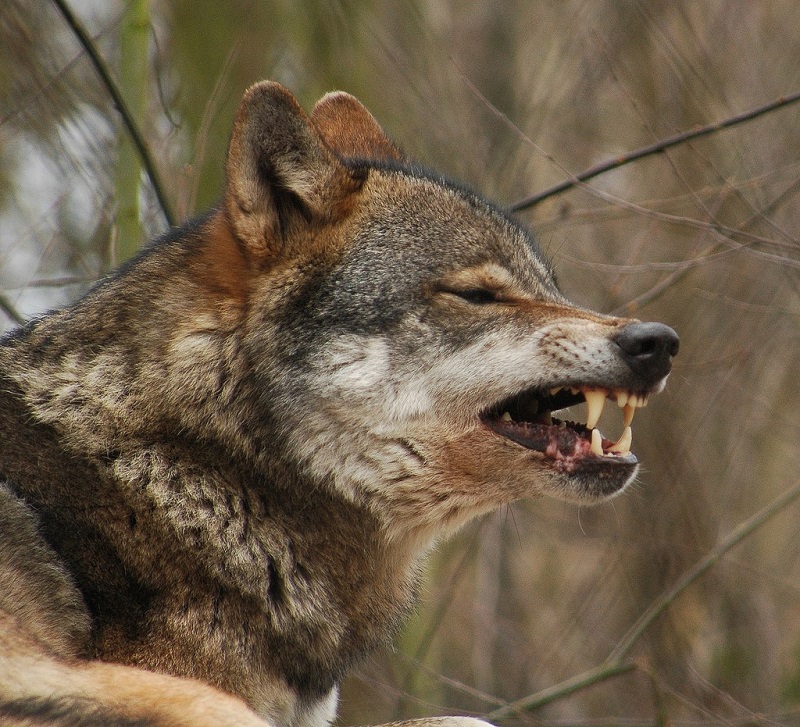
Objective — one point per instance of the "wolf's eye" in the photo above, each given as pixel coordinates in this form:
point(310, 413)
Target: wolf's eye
point(476, 296)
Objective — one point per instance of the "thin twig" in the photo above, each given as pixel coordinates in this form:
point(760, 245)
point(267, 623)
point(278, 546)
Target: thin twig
point(564, 689)
point(617, 662)
point(739, 533)
point(116, 95)
point(714, 248)
point(655, 148)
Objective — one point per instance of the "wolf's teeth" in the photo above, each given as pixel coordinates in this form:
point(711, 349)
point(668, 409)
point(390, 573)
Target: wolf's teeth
point(594, 407)
point(506, 417)
point(627, 414)
point(597, 443)
point(623, 445)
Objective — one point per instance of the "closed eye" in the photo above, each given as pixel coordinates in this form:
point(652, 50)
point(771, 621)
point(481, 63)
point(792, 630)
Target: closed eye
point(476, 296)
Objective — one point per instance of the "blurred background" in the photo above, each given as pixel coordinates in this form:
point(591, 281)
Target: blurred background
point(511, 97)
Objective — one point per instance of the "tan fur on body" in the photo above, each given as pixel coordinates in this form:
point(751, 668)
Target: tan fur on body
point(220, 470)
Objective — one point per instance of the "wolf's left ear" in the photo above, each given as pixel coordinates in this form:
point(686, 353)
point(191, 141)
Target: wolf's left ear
point(352, 131)
point(279, 171)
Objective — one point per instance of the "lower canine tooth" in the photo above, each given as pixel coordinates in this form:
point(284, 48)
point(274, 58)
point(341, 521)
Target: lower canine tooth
point(597, 443)
point(623, 446)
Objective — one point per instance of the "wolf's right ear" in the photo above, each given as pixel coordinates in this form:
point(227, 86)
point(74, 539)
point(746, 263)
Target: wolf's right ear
point(351, 130)
point(279, 171)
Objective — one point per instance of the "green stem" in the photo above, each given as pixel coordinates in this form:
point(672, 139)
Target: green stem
point(7, 308)
point(133, 80)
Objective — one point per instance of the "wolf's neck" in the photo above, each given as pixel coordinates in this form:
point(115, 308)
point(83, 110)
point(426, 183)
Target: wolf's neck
point(283, 578)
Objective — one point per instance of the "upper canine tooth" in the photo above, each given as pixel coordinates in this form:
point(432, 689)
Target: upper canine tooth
point(506, 417)
point(627, 414)
point(594, 407)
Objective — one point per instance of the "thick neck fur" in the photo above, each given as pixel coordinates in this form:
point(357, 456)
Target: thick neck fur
point(206, 535)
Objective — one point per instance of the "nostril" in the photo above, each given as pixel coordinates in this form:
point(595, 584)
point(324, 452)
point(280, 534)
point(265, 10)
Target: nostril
point(648, 347)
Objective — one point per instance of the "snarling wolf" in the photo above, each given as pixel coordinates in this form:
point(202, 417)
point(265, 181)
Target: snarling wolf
point(220, 469)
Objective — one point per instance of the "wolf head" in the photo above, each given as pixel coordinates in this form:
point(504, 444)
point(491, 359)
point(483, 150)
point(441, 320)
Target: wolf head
point(409, 339)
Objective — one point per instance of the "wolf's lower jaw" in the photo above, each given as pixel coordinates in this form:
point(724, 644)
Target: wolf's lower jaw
point(526, 419)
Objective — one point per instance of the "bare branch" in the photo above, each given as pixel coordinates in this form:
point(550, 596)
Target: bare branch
point(116, 95)
point(567, 687)
point(655, 148)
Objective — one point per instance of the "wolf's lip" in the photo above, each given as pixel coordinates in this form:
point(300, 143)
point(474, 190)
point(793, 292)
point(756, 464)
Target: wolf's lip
point(526, 419)
point(564, 442)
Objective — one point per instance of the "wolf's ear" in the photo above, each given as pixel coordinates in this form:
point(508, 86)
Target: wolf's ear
point(279, 171)
point(352, 131)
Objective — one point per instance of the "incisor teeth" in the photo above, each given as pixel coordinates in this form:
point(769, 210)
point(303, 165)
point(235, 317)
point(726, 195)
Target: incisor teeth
point(594, 407)
point(627, 414)
point(623, 446)
point(622, 398)
point(597, 443)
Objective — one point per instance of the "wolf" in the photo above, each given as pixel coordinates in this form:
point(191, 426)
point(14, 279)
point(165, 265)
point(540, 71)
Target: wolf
point(221, 469)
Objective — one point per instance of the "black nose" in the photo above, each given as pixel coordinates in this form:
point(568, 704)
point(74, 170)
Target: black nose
point(648, 349)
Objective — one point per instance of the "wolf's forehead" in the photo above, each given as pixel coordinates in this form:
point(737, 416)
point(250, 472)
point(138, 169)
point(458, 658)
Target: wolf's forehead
point(434, 226)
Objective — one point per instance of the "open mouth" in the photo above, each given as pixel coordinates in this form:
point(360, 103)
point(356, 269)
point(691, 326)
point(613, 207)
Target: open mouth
point(526, 418)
